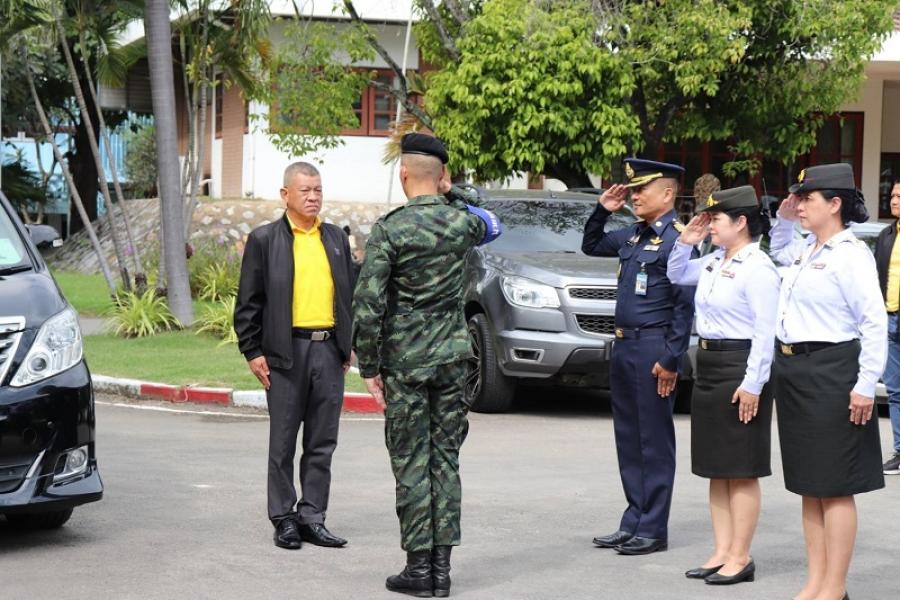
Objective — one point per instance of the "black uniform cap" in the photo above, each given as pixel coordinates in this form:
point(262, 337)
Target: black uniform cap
point(420, 143)
point(724, 200)
point(641, 171)
point(836, 176)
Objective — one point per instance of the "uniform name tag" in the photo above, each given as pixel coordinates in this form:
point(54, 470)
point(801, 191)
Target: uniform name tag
point(640, 284)
point(651, 247)
point(820, 265)
point(728, 274)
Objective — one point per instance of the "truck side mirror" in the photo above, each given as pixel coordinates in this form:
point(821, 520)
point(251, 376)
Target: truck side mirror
point(44, 236)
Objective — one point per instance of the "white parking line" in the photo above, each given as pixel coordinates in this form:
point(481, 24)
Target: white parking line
point(212, 413)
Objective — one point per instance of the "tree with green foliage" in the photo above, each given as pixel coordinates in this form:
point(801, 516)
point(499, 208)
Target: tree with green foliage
point(762, 74)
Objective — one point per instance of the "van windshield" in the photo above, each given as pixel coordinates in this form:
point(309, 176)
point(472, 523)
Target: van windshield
point(13, 255)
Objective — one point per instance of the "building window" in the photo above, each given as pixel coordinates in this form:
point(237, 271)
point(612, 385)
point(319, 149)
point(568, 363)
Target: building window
point(839, 140)
point(376, 108)
point(890, 172)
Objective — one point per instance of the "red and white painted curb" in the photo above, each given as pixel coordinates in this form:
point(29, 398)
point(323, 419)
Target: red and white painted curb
point(148, 390)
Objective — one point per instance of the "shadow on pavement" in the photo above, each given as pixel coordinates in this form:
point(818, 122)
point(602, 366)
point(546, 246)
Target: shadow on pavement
point(555, 401)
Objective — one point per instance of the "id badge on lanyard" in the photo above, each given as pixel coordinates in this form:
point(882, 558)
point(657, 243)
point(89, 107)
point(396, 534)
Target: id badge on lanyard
point(640, 282)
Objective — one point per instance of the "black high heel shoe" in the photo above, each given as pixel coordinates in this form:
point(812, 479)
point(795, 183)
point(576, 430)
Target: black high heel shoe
point(702, 572)
point(748, 574)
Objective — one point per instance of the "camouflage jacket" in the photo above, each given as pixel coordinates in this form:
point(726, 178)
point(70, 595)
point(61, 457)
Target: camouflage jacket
point(407, 308)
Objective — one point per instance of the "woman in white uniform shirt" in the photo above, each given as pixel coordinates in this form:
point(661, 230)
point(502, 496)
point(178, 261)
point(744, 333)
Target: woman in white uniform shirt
point(831, 350)
point(731, 407)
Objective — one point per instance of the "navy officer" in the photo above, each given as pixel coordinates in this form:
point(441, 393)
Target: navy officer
point(653, 326)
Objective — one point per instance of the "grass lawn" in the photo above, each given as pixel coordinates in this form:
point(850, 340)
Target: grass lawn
point(90, 296)
point(178, 357)
point(87, 293)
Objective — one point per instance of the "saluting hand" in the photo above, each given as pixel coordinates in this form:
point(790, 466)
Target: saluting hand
point(748, 407)
point(788, 208)
point(260, 368)
point(696, 231)
point(861, 408)
point(613, 199)
point(665, 380)
point(375, 385)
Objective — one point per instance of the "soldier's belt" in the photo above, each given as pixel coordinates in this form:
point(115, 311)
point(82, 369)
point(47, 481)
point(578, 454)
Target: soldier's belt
point(315, 335)
point(634, 333)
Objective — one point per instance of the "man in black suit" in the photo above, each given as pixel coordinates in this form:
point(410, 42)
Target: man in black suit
point(292, 319)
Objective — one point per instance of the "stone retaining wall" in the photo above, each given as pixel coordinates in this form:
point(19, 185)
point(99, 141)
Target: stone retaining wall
point(218, 222)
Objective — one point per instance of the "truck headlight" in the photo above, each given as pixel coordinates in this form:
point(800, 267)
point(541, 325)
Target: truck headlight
point(56, 347)
point(528, 293)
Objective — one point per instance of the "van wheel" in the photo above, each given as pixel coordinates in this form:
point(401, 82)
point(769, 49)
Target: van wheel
point(683, 392)
point(488, 390)
point(40, 520)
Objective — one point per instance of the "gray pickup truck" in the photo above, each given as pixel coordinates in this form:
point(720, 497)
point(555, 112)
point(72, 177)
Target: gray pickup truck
point(538, 309)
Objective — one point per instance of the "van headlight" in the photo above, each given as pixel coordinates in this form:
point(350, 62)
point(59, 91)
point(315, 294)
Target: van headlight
point(56, 348)
point(528, 293)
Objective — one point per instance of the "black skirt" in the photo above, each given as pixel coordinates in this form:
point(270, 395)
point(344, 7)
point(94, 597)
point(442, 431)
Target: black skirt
point(824, 455)
point(722, 447)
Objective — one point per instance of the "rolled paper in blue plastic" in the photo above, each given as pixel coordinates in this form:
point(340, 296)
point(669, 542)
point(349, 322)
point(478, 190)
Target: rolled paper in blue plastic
point(492, 225)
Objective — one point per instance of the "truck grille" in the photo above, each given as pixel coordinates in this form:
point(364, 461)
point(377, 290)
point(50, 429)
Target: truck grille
point(593, 293)
point(602, 324)
point(10, 334)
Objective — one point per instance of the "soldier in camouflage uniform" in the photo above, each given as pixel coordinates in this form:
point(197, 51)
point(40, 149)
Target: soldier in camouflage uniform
point(412, 345)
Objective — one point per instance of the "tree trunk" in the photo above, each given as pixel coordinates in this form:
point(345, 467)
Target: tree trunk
point(84, 172)
point(140, 277)
point(162, 84)
point(198, 157)
point(73, 190)
point(95, 151)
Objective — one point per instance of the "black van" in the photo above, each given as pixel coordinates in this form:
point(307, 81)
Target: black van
point(47, 461)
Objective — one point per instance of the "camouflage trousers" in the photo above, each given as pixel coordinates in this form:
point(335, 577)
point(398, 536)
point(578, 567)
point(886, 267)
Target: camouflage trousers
point(425, 425)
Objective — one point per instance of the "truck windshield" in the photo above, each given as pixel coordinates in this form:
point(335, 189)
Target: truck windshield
point(13, 256)
point(546, 225)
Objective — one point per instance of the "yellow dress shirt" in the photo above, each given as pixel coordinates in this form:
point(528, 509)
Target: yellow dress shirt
point(893, 283)
point(313, 304)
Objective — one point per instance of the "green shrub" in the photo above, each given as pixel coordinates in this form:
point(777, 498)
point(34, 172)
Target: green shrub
point(140, 161)
point(214, 268)
point(218, 282)
point(139, 315)
point(219, 321)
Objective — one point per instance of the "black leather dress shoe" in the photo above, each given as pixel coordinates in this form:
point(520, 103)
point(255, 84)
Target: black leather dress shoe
point(748, 573)
point(612, 540)
point(316, 534)
point(641, 545)
point(287, 536)
point(702, 572)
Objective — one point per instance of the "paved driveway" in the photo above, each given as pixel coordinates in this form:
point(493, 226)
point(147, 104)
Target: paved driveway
point(184, 517)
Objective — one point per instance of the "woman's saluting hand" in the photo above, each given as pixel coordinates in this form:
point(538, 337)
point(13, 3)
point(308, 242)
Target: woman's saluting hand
point(696, 231)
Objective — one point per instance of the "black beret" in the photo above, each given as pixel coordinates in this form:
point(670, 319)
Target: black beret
point(420, 143)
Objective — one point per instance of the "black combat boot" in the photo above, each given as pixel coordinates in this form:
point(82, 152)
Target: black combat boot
point(415, 579)
point(440, 570)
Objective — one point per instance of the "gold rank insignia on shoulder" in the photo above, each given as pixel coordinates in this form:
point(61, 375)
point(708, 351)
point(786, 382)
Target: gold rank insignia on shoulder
point(629, 171)
point(801, 176)
point(679, 227)
point(656, 241)
point(711, 201)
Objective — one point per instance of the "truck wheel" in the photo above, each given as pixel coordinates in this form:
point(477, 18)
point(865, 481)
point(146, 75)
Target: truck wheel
point(40, 520)
point(488, 390)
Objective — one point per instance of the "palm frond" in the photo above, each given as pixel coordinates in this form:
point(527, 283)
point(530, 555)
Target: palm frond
point(408, 124)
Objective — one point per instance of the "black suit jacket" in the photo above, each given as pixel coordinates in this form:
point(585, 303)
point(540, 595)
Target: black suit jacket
point(883, 248)
point(263, 311)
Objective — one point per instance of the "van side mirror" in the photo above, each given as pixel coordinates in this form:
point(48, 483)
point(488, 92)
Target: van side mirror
point(44, 236)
